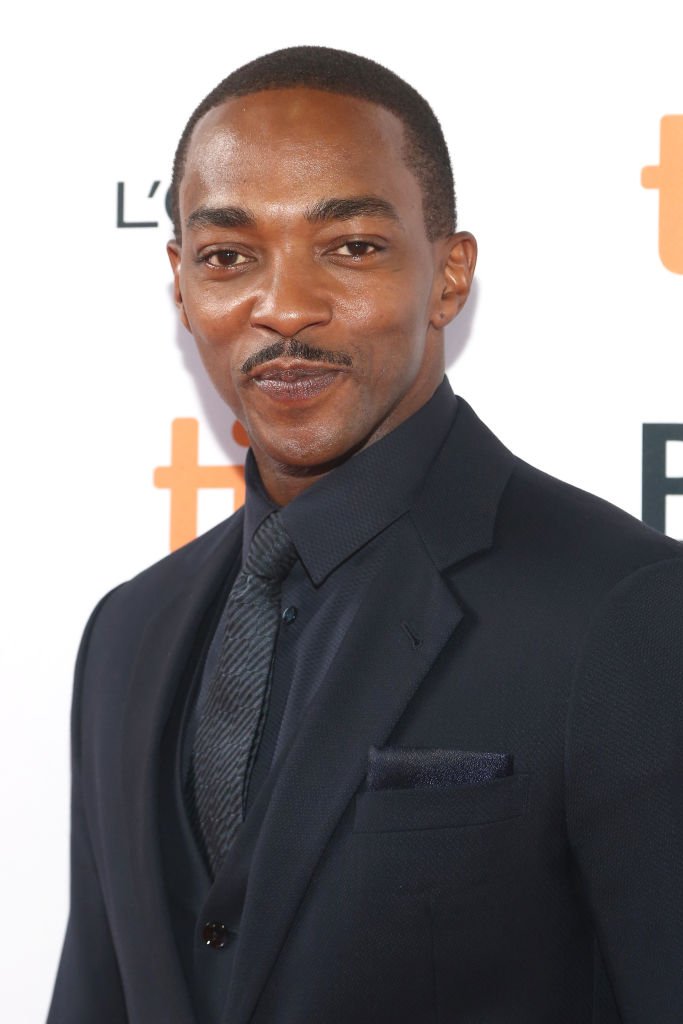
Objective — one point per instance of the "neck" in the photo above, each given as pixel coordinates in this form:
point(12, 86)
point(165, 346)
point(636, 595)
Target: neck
point(284, 483)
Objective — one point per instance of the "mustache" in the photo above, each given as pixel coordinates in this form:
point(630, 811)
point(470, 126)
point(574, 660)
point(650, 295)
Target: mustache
point(297, 350)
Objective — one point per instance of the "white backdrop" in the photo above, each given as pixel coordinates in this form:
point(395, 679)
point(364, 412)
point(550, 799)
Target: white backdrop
point(571, 342)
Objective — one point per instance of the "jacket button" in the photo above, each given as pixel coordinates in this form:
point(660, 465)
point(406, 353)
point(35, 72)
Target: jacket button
point(214, 934)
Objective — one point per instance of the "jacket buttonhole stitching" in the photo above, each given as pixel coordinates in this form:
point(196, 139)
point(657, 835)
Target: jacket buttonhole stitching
point(416, 641)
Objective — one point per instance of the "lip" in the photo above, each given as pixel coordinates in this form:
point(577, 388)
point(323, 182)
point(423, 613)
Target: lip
point(291, 381)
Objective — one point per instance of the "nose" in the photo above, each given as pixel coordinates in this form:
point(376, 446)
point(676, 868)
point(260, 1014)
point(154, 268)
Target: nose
point(291, 298)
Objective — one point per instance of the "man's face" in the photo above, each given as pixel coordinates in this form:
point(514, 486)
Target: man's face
point(306, 277)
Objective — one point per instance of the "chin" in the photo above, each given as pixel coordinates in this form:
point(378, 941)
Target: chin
point(308, 456)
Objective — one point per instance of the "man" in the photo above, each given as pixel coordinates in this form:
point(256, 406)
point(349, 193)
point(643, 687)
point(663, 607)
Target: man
point(447, 787)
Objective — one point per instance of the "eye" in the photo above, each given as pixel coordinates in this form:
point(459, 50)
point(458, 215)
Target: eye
point(358, 248)
point(224, 259)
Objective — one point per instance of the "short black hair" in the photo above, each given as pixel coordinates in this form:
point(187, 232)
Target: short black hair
point(320, 67)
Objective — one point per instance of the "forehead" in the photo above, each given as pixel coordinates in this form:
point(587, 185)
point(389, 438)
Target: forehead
point(293, 146)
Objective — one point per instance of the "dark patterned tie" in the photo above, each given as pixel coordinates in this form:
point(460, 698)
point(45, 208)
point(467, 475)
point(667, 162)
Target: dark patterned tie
point(232, 718)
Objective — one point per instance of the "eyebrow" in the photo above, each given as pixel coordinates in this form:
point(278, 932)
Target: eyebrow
point(221, 217)
point(353, 206)
point(321, 212)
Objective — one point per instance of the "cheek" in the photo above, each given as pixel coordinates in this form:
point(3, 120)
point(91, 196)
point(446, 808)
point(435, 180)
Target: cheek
point(392, 298)
point(218, 358)
point(213, 316)
point(394, 313)
point(213, 309)
point(216, 324)
point(390, 347)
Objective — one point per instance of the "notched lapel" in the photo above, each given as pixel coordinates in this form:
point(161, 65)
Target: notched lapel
point(456, 511)
point(403, 622)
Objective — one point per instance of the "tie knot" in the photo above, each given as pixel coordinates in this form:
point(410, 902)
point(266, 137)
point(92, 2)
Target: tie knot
point(272, 552)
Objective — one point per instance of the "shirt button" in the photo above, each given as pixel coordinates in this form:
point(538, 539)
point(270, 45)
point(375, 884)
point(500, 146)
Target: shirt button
point(289, 614)
point(214, 934)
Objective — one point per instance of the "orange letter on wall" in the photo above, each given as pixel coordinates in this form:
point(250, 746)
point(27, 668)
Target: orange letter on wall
point(668, 178)
point(185, 478)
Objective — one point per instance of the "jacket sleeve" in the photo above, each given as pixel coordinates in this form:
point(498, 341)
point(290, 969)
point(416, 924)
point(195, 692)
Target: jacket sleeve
point(88, 985)
point(624, 779)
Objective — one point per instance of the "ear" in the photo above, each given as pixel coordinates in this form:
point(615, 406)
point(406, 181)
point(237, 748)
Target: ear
point(455, 280)
point(173, 250)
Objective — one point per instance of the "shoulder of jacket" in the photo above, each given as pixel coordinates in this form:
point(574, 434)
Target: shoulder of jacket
point(184, 563)
point(559, 514)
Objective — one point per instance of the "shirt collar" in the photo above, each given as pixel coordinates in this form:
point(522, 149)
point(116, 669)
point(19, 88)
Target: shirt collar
point(346, 509)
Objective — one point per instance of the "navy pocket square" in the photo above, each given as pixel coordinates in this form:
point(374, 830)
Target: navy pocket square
point(431, 768)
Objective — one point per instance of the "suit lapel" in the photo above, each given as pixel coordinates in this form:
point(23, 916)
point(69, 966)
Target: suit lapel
point(167, 645)
point(456, 511)
point(402, 625)
point(358, 704)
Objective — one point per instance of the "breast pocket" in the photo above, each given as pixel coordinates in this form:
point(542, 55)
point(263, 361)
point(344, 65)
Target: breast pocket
point(411, 810)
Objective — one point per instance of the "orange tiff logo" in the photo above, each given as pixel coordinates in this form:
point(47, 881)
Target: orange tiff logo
point(185, 478)
point(668, 178)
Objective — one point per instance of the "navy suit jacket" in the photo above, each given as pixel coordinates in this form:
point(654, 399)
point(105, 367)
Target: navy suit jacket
point(513, 615)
